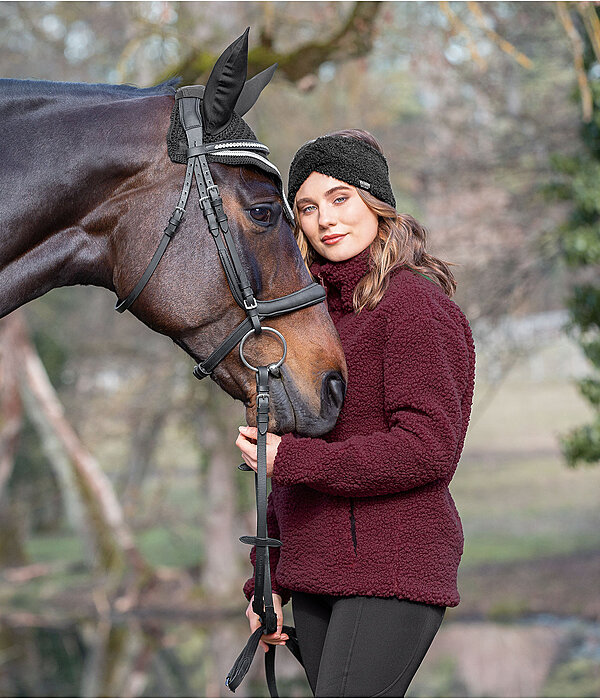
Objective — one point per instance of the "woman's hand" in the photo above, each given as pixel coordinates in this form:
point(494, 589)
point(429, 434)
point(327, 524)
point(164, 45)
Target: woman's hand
point(247, 443)
point(276, 637)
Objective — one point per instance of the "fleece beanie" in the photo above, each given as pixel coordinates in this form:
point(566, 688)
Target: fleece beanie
point(346, 158)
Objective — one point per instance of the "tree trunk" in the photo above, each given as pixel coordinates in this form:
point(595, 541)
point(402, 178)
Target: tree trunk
point(101, 510)
point(11, 408)
point(12, 526)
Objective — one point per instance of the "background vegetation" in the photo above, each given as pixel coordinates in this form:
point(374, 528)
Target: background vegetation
point(488, 114)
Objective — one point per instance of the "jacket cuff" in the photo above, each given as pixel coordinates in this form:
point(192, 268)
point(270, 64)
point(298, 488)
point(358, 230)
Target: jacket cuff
point(283, 592)
point(287, 466)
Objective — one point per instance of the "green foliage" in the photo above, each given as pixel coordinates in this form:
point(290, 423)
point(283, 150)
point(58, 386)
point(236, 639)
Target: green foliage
point(590, 389)
point(586, 187)
point(576, 678)
point(591, 348)
point(164, 547)
point(53, 352)
point(508, 610)
point(58, 547)
point(582, 444)
point(578, 241)
point(33, 484)
point(584, 307)
point(581, 245)
point(43, 661)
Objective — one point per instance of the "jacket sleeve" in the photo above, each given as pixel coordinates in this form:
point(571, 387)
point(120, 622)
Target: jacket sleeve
point(425, 373)
point(272, 531)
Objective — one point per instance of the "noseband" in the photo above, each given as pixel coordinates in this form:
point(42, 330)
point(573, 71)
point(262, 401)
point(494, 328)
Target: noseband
point(188, 103)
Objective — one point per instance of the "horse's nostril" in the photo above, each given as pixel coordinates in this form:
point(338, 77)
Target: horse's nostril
point(336, 389)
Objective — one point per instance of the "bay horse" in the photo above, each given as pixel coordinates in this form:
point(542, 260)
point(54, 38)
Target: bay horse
point(87, 187)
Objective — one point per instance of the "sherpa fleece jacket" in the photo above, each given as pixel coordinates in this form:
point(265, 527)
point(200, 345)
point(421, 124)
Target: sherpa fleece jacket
point(366, 509)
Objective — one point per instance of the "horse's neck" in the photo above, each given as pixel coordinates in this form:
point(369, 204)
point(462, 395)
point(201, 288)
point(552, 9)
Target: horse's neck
point(60, 161)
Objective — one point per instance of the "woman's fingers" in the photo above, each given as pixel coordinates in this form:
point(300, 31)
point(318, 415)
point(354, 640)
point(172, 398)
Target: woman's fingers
point(248, 450)
point(248, 431)
point(276, 637)
point(246, 442)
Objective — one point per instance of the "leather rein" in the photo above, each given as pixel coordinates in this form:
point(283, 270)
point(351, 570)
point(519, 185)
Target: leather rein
point(188, 99)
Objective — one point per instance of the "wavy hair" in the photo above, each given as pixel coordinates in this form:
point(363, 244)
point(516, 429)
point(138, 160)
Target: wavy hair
point(400, 243)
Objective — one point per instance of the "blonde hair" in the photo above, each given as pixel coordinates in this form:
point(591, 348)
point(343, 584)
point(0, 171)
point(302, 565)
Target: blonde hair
point(400, 243)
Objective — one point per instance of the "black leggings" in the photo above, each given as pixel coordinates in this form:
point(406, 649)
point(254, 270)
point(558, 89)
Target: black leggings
point(362, 646)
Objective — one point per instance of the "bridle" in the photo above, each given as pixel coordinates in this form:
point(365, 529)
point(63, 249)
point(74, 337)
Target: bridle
point(211, 203)
point(188, 103)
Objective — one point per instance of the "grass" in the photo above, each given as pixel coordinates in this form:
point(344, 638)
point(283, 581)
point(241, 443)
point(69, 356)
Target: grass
point(55, 548)
point(498, 548)
point(178, 547)
point(166, 547)
point(516, 497)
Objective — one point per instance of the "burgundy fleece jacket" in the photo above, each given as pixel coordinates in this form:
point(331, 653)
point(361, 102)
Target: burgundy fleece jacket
point(366, 509)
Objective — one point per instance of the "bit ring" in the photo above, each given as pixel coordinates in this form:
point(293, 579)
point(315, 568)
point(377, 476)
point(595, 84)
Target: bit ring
point(272, 367)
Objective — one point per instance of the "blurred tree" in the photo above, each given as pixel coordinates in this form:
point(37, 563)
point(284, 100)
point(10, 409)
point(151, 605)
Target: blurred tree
point(12, 522)
point(467, 132)
point(340, 40)
point(578, 238)
point(97, 513)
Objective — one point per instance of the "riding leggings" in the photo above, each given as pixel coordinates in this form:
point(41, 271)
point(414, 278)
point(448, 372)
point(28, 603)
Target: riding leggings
point(362, 646)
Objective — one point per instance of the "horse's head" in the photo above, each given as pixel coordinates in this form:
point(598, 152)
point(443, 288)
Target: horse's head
point(188, 296)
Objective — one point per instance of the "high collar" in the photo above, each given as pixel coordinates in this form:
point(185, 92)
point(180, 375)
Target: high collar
point(340, 278)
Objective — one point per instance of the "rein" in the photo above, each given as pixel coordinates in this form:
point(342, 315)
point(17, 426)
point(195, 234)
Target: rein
point(188, 102)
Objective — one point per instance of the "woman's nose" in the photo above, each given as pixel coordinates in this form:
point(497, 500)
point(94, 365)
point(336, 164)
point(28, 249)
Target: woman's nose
point(326, 217)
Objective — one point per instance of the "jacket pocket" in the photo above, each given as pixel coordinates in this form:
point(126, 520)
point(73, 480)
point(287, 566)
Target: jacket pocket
point(353, 524)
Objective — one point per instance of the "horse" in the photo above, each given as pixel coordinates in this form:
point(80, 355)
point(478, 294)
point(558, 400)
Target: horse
point(87, 186)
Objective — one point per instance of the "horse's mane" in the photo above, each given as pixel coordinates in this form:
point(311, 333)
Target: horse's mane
point(50, 88)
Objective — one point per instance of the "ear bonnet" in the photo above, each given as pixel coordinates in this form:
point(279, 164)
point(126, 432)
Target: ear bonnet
point(222, 125)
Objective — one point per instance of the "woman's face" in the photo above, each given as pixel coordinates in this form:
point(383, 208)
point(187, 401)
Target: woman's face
point(334, 218)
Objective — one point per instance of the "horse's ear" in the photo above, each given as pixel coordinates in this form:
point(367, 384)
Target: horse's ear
point(225, 84)
point(253, 88)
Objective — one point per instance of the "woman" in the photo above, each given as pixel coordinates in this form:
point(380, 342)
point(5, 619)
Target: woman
point(371, 537)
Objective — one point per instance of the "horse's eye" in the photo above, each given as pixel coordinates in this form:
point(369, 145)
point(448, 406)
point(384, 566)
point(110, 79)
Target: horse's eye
point(262, 214)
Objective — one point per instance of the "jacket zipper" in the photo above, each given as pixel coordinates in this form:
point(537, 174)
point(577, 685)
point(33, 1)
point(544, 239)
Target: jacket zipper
point(353, 524)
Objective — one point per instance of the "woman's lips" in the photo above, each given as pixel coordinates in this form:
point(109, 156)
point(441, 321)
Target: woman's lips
point(333, 239)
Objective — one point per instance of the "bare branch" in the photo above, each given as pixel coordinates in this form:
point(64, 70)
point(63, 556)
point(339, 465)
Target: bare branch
point(577, 45)
point(506, 46)
point(592, 24)
point(458, 26)
point(352, 40)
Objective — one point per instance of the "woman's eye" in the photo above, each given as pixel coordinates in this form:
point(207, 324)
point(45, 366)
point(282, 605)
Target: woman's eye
point(340, 197)
point(262, 215)
point(305, 210)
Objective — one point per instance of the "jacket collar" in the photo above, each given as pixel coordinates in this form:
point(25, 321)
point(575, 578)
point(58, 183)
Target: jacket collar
point(340, 278)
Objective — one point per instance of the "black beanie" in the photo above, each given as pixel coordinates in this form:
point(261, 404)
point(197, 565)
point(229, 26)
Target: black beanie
point(346, 158)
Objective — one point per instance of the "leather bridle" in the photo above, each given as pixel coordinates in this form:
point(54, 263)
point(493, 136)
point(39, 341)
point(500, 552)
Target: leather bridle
point(188, 100)
point(212, 205)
